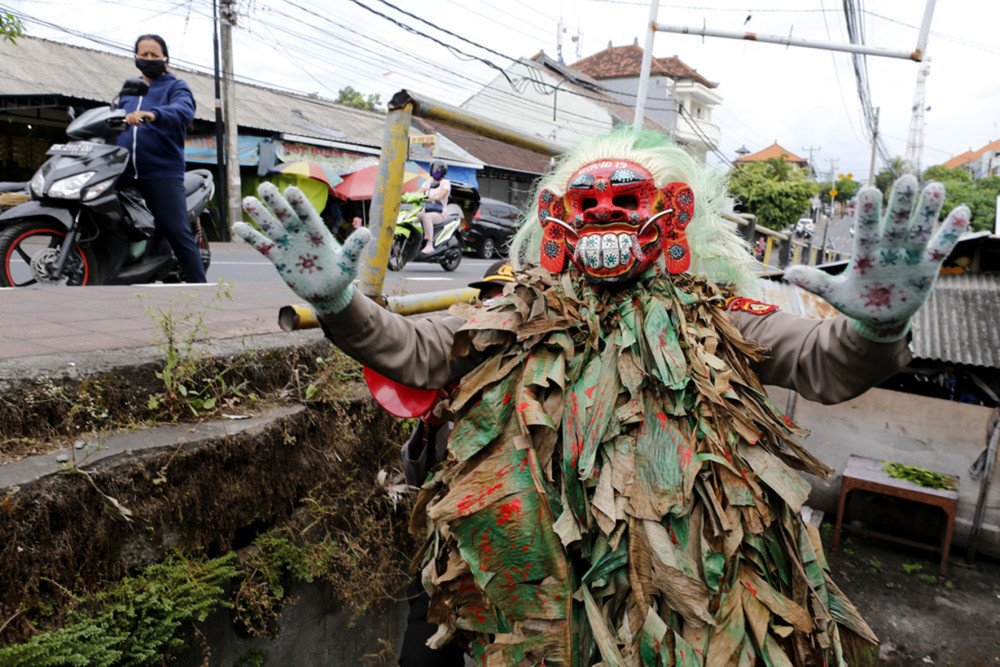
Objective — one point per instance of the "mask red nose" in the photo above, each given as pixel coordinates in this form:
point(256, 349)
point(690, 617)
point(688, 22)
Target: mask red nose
point(605, 214)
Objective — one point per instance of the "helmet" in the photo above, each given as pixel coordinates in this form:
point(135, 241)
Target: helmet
point(438, 170)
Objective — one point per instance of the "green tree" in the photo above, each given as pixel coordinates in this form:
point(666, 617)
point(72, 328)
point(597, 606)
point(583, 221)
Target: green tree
point(884, 180)
point(980, 196)
point(10, 27)
point(353, 98)
point(773, 191)
point(947, 174)
point(846, 189)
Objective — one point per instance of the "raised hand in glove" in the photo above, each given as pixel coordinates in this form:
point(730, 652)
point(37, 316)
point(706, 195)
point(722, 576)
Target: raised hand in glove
point(302, 249)
point(895, 260)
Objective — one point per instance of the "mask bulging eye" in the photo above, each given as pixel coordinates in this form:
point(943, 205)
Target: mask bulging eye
point(628, 202)
point(588, 203)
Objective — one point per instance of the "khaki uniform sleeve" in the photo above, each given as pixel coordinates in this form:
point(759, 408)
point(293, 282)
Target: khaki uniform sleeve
point(415, 351)
point(824, 360)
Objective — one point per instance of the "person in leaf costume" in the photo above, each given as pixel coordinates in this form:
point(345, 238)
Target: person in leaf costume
point(619, 488)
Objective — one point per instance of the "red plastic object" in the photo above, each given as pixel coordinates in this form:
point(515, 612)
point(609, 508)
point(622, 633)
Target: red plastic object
point(399, 399)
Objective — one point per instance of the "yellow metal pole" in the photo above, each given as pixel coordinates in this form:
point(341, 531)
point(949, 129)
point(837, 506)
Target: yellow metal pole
point(297, 316)
point(430, 301)
point(431, 110)
point(385, 200)
point(301, 316)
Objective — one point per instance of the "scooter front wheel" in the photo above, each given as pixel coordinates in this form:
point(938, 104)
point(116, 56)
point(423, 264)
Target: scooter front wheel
point(396, 259)
point(28, 249)
point(452, 258)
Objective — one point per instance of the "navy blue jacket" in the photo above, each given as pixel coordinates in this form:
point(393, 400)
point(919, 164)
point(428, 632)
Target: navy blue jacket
point(158, 147)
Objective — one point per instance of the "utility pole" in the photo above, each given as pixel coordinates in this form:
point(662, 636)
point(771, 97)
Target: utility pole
point(812, 149)
point(559, 40)
point(826, 225)
point(871, 168)
point(229, 109)
point(647, 62)
point(220, 161)
point(915, 139)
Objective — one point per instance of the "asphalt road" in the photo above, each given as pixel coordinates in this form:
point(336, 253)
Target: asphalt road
point(839, 233)
point(240, 264)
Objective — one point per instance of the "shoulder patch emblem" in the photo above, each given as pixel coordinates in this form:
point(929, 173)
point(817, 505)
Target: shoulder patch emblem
point(749, 305)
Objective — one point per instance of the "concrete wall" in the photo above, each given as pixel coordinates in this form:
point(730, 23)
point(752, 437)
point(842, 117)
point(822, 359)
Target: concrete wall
point(943, 436)
point(316, 630)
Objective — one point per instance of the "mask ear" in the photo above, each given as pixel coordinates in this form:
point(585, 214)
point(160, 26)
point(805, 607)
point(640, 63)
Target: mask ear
point(553, 256)
point(680, 198)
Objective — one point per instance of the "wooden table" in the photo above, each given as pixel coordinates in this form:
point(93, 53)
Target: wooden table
point(867, 474)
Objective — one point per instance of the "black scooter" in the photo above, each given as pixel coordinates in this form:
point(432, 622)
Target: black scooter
point(81, 227)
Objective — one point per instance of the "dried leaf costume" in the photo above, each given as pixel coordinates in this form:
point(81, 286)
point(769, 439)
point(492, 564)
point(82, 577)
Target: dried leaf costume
point(619, 488)
point(623, 491)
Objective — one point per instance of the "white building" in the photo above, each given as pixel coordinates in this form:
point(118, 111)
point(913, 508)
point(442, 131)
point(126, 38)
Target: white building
point(980, 163)
point(539, 96)
point(678, 98)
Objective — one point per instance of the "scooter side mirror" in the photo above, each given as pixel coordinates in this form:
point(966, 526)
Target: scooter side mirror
point(136, 87)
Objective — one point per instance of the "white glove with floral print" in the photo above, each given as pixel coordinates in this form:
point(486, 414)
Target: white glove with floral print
point(895, 260)
point(302, 249)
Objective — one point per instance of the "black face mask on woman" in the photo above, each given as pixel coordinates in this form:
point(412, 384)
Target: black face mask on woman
point(151, 68)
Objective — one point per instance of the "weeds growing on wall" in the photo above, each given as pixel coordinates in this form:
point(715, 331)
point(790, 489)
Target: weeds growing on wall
point(308, 489)
point(138, 621)
point(191, 388)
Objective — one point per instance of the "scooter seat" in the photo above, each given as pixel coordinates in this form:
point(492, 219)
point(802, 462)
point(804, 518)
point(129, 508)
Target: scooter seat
point(193, 180)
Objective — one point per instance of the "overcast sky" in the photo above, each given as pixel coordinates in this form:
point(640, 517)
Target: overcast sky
point(802, 98)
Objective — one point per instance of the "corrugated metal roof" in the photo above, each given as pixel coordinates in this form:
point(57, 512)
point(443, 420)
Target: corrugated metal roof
point(35, 67)
point(41, 67)
point(959, 324)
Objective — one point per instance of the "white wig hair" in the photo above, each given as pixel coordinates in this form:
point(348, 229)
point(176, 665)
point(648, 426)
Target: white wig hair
point(718, 252)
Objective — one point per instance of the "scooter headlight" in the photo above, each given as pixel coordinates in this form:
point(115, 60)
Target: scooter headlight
point(69, 188)
point(95, 191)
point(37, 183)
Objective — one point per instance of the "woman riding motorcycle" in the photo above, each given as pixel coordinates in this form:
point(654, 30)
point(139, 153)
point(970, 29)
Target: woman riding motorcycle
point(437, 200)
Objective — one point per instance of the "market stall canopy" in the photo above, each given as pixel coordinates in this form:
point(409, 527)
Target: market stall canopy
point(361, 184)
point(315, 180)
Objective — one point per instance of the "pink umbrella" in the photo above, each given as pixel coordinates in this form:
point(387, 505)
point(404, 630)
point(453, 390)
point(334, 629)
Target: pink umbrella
point(361, 183)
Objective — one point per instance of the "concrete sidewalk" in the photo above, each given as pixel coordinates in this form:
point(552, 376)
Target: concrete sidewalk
point(43, 328)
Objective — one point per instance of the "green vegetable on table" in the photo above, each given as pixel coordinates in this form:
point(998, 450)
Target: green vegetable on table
point(918, 475)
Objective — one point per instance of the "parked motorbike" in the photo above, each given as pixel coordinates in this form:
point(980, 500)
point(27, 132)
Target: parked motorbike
point(408, 239)
point(81, 227)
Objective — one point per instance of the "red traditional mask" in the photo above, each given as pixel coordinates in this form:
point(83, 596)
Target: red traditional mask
point(613, 223)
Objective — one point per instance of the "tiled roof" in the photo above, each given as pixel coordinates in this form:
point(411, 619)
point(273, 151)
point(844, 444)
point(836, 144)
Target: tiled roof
point(774, 150)
point(490, 152)
point(959, 160)
point(626, 61)
point(970, 155)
